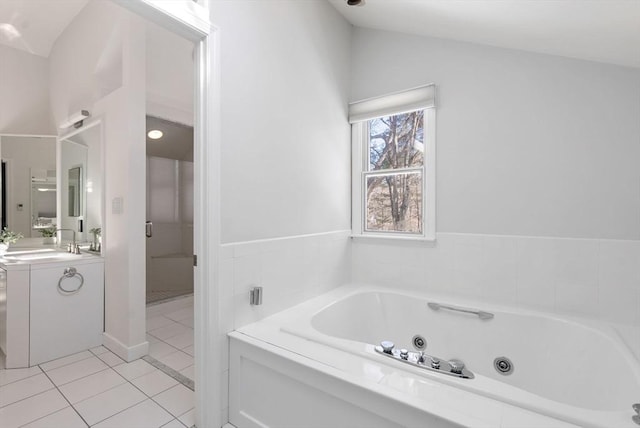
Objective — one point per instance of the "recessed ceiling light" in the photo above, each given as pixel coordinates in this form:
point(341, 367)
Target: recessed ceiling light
point(155, 134)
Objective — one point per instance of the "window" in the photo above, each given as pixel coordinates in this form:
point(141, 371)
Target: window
point(394, 165)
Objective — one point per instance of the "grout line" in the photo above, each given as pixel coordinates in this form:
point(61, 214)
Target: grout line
point(91, 354)
point(22, 378)
point(65, 398)
point(170, 372)
point(26, 398)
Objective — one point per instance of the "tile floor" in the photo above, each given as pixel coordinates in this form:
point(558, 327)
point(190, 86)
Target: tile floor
point(170, 334)
point(96, 388)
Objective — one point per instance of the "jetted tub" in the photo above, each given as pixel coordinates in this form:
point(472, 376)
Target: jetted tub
point(578, 372)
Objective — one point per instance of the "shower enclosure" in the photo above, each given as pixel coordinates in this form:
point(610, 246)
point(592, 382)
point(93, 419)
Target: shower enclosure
point(170, 222)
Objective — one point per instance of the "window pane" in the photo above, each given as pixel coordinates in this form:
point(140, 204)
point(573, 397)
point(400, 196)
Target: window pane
point(396, 141)
point(394, 203)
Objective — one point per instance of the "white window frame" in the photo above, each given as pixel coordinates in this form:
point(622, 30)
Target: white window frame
point(421, 98)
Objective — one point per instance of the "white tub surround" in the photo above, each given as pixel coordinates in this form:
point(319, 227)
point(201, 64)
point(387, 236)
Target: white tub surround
point(325, 348)
point(590, 278)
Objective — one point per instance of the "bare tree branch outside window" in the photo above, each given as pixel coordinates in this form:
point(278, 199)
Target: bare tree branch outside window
point(394, 193)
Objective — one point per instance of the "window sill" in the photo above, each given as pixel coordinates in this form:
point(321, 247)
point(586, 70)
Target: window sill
point(395, 238)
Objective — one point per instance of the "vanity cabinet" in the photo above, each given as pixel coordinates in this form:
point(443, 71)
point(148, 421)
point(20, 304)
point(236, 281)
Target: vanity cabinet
point(63, 321)
point(39, 321)
point(14, 315)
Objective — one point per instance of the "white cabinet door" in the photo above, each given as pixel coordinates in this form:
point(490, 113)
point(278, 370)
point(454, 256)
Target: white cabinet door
point(62, 324)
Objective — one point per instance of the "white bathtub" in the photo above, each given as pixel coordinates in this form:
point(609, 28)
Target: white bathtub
point(565, 371)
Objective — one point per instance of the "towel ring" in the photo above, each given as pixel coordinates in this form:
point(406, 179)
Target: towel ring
point(70, 272)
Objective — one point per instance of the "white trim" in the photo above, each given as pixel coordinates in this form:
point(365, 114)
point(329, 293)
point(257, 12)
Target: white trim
point(191, 22)
point(127, 353)
point(90, 124)
point(185, 18)
point(359, 174)
point(430, 163)
point(29, 135)
point(287, 238)
point(421, 97)
point(357, 159)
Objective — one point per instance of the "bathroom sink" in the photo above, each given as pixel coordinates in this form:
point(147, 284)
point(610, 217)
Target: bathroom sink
point(40, 254)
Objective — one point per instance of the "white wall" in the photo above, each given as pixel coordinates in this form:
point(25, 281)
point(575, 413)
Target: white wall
point(537, 176)
point(285, 150)
point(169, 77)
point(285, 156)
point(24, 154)
point(98, 63)
point(24, 93)
point(528, 144)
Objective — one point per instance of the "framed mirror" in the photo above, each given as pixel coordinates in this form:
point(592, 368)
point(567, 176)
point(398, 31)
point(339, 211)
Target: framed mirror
point(74, 196)
point(80, 181)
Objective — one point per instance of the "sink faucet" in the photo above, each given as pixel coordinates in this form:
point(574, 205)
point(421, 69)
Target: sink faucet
point(73, 247)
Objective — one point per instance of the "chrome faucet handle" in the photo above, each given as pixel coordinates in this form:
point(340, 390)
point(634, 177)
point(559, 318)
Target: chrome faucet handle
point(456, 366)
point(636, 408)
point(404, 354)
point(435, 363)
point(421, 356)
point(387, 346)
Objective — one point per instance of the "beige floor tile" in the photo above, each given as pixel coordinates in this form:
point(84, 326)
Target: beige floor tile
point(160, 349)
point(32, 408)
point(189, 418)
point(189, 322)
point(91, 385)
point(65, 418)
point(134, 369)
point(54, 364)
point(98, 350)
point(181, 314)
point(177, 400)
point(147, 414)
point(163, 333)
point(24, 388)
point(189, 350)
point(177, 360)
point(77, 370)
point(104, 405)
point(181, 340)
point(158, 321)
point(8, 376)
point(110, 359)
point(174, 424)
point(154, 383)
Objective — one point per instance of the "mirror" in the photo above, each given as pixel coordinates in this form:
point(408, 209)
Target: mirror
point(75, 196)
point(43, 199)
point(28, 165)
point(81, 178)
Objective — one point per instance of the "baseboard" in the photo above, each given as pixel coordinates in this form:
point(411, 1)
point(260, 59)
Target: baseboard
point(127, 353)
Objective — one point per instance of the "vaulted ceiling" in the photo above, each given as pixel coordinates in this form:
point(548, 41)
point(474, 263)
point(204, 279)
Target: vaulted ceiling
point(34, 25)
point(598, 30)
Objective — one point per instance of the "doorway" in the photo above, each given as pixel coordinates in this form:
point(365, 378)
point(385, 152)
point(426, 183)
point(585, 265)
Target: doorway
point(169, 229)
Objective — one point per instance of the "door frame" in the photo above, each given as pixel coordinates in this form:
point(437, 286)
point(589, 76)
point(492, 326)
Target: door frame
point(188, 20)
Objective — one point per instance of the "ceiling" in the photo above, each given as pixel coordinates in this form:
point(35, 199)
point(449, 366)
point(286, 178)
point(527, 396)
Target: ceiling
point(176, 143)
point(597, 30)
point(33, 25)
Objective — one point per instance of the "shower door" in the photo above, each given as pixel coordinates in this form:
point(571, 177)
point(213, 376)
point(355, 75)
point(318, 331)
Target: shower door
point(169, 228)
